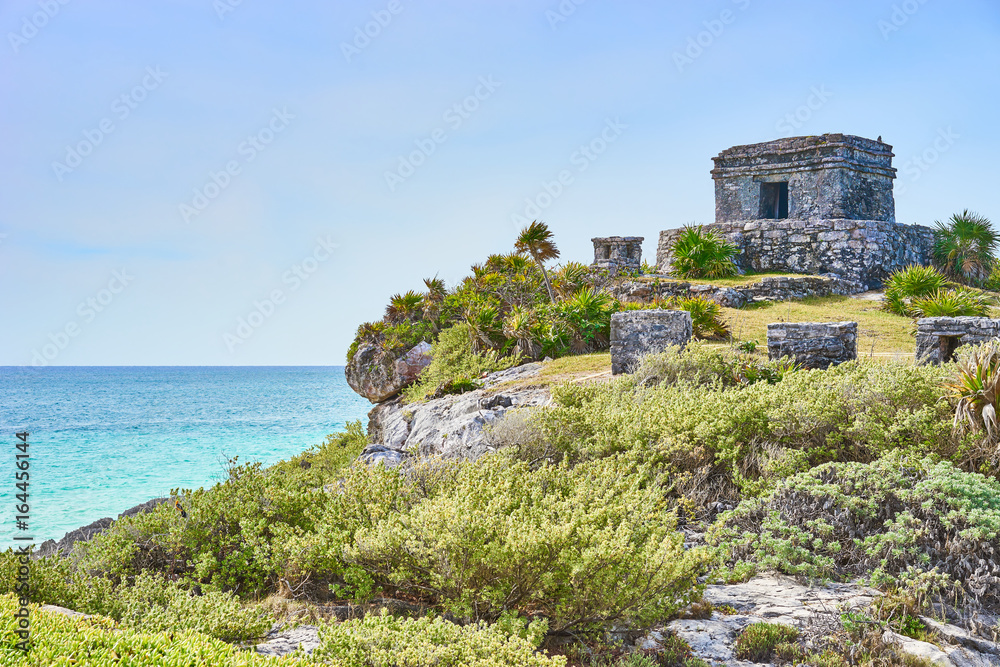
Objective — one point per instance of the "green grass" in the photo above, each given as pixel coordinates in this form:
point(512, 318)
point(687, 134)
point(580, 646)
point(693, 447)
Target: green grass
point(888, 333)
point(735, 281)
point(581, 364)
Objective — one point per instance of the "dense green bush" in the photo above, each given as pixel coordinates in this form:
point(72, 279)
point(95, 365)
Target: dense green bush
point(701, 365)
point(582, 546)
point(510, 304)
point(758, 640)
point(148, 603)
point(912, 282)
point(454, 366)
point(899, 519)
point(706, 316)
point(698, 253)
point(958, 302)
point(731, 440)
point(97, 642)
point(386, 641)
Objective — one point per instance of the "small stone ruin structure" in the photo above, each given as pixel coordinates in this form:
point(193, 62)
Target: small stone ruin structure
point(813, 344)
point(615, 253)
point(636, 333)
point(817, 204)
point(939, 337)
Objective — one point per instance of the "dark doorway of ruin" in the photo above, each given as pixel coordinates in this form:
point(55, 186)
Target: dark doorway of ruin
point(774, 200)
point(947, 346)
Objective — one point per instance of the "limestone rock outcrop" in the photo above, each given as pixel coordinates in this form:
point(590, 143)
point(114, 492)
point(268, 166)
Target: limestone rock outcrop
point(451, 426)
point(379, 378)
point(815, 611)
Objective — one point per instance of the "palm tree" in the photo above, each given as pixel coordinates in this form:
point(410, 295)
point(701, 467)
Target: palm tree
point(433, 300)
point(404, 308)
point(964, 247)
point(536, 240)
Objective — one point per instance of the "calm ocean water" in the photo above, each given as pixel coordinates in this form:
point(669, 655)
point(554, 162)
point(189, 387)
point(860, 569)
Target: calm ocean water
point(104, 439)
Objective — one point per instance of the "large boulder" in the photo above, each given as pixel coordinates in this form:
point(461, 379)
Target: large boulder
point(454, 426)
point(379, 378)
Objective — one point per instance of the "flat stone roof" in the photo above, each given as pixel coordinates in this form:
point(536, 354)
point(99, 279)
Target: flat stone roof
point(807, 153)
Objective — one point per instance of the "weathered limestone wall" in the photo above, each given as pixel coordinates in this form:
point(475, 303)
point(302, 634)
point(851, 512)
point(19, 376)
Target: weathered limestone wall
point(775, 288)
point(831, 176)
point(813, 344)
point(862, 251)
point(938, 337)
point(636, 333)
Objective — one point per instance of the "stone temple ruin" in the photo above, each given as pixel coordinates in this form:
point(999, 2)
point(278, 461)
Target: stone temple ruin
point(616, 253)
point(818, 204)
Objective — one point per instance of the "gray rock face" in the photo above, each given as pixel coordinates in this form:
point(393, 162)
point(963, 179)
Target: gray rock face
point(939, 337)
point(378, 378)
point(814, 611)
point(860, 251)
point(636, 333)
point(64, 611)
point(813, 344)
point(380, 454)
point(452, 426)
point(284, 642)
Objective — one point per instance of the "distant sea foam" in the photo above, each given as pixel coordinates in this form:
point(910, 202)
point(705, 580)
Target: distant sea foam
point(103, 439)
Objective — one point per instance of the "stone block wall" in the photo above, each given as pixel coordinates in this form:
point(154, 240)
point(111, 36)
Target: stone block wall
point(939, 337)
point(861, 251)
point(618, 252)
point(636, 333)
point(813, 344)
point(775, 288)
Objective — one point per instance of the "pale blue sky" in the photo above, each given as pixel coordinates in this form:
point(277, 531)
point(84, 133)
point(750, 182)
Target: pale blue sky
point(328, 122)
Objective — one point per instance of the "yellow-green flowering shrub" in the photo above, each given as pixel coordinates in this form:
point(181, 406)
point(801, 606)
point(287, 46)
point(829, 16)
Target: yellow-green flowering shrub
point(899, 518)
point(581, 546)
point(386, 641)
point(98, 642)
point(753, 435)
point(148, 602)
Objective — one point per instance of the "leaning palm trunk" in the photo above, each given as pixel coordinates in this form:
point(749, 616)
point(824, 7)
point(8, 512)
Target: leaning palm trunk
point(548, 283)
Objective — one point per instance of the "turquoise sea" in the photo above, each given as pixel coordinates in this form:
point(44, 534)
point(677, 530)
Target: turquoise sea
point(103, 439)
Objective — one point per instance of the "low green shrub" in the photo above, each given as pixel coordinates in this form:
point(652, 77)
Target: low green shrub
point(993, 280)
point(699, 253)
point(147, 603)
point(958, 302)
point(701, 365)
point(582, 546)
point(98, 642)
point(898, 521)
point(723, 441)
point(387, 641)
point(911, 282)
point(455, 366)
point(706, 316)
point(697, 364)
point(758, 641)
